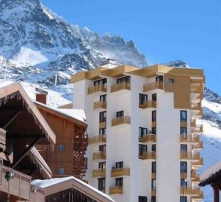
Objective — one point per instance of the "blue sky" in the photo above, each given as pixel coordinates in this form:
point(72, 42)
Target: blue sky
point(187, 30)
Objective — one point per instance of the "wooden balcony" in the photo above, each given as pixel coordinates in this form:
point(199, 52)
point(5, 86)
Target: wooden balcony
point(198, 129)
point(198, 197)
point(190, 191)
point(18, 184)
point(99, 155)
point(97, 139)
point(102, 125)
point(196, 107)
point(97, 89)
point(120, 172)
point(189, 156)
point(153, 175)
point(99, 173)
point(153, 192)
point(120, 86)
point(198, 146)
point(148, 156)
point(100, 105)
point(152, 86)
point(37, 194)
point(149, 104)
point(190, 139)
point(2, 139)
point(193, 123)
point(116, 190)
point(196, 89)
point(197, 164)
point(121, 120)
point(148, 138)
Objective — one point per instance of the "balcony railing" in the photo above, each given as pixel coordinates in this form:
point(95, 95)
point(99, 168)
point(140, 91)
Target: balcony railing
point(120, 86)
point(198, 197)
point(198, 146)
point(197, 164)
point(99, 155)
point(195, 89)
point(99, 173)
point(196, 107)
point(148, 155)
point(152, 86)
point(37, 194)
point(17, 184)
point(2, 139)
point(102, 125)
point(121, 120)
point(97, 139)
point(148, 138)
point(190, 191)
point(149, 104)
point(100, 105)
point(120, 172)
point(193, 123)
point(198, 129)
point(116, 190)
point(189, 139)
point(153, 192)
point(189, 156)
point(98, 88)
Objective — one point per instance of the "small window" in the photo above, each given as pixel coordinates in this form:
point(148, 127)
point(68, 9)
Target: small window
point(125, 79)
point(102, 131)
point(142, 99)
point(183, 115)
point(154, 148)
point(153, 184)
point(153, 198)
point(159, 78)
point(100, 82)
point(154, 116)
point(120, 114)
point(154, 130)
point(170, 80)
point(154, 169)
point(183, 182)
point(183, 148)
point(61, 148)
point(183, 130)
point(142, 131)
point(119, 164)
point(101, 184)
point(102, 165)
point(142, 199)
point(183, 199)
point(183, 167)
point(119, 181)
point(142, 149)
point(102, 117)
point(102, 148)
point(61, 171)
point(154, 97)
point(103, 98)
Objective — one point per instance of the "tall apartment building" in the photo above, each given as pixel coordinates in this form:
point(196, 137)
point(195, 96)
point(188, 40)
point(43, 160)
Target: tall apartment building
point(143, 138)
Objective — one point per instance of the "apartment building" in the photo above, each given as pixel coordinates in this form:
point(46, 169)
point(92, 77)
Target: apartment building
point(144, 142)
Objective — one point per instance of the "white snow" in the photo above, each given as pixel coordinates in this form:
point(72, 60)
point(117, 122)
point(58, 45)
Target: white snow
point(5, 83)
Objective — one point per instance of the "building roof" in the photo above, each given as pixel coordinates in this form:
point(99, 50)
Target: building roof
point(212, 174)
point(59, 184)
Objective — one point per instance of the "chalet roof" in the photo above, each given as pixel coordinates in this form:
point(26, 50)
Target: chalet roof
point(59, 184)
point(212, 174)
point(10, 89)
point(37, 158)
point(76, 114)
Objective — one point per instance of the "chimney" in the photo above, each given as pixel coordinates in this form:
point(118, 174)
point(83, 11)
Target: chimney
point(41, 95)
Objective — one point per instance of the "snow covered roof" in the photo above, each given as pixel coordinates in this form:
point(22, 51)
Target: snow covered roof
point(72, 182)
point(5, 83)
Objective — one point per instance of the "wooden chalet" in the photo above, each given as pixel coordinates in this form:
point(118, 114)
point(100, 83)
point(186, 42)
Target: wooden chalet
point(212, 177)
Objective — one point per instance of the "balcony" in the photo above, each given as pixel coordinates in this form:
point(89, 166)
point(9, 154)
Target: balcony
point(190, 191)
point(198, 197)
point(197, 164)
point(198, 146)
point(99, 155)
point(153, 192)
point(97, 89)
point(148, 138)
point(121, 120)
point(37, 194)
point(149, 104)
point(99, 173)
point(116, 190)
point(193, 123)
point(100, 105)
point(153, 175)
point(196, 89)
point(18, 184)
point(2, 139)
point(198, 129)
point(102, 124)
point(120, 86)
point(97, 139)
point(120, 172)
point(189, 156)
point(189, 139)
point(148, 156)
point(196, 107)
point(152, 86)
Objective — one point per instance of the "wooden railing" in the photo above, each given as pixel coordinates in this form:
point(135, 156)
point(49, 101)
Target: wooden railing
point(97, 139)
point(189, 138)
point(120, 86)
point(97, 88)
point(189, 156)
point(37, 194)
point(99, 155)
point(148, 138)
point(147, 155)
point(121, 120)
point(120, 172)
point(196, 90)
point(197, 164)
point(152, 86)
point(100, 105)
point(190, 191)
point(99, 173)
point(198, 146)
point(149, 104)
point(116, 190)
point(198, 129)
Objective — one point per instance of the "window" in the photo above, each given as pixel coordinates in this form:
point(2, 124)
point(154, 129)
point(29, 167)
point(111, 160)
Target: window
point(102, 165)
point(102, 131)
point(154, 168)
point(101, 184)
point(183, 182)
point(119, 164)
point(154, 130)
point(142, 199)
point(102, 148)
point(61, 148)
point(153, 184)
point(142, 149)
point(103, 98)
point(100, 82)
point(183, 167)
point(183, 130)
point(153, 198)
point(183, 148)
point(170, 80)
point(102, 117)
point(142, 131)
point(61, 171)
point(119, 181)
point(154, 148)
point(159, 78)
point(154, 97)
point(142, 99)
point(125, 79)
point(183, 115)
point(154, 116)
point(183, 199)
point(77, 146)
point(120, 114)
